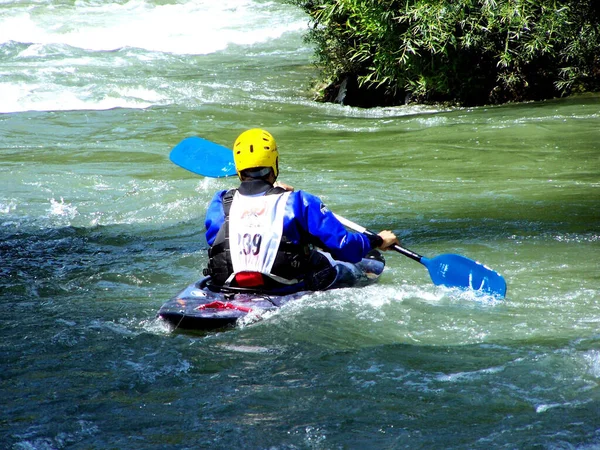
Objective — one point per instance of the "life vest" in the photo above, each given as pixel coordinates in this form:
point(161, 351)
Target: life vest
point(263, 256)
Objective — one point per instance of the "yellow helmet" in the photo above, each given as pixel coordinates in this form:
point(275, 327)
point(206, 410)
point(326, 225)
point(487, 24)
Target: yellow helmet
point(255, 148)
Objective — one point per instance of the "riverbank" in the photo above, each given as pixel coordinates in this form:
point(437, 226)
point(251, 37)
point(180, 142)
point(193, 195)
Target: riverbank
point(453, 52)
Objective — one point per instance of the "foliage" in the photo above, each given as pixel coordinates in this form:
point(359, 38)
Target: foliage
point(463, 51)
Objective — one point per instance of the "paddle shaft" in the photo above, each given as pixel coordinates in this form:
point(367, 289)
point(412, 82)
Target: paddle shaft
point(361, 229)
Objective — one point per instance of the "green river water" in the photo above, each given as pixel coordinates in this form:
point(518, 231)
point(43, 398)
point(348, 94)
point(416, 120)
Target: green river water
point(98, 229)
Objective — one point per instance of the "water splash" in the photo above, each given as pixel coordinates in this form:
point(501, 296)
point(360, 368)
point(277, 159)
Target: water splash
point(64, 212)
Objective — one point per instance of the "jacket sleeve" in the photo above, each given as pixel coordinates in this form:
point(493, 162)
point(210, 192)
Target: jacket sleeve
point(215, 217)
point(321, 223)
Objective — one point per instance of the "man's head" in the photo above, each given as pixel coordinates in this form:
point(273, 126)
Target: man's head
point(255, 154)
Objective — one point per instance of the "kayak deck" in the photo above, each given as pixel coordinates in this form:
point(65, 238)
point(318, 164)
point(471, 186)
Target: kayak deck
point(202, 307)
point(197, 307)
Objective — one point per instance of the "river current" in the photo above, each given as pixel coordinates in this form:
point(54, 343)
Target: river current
point(98, 229)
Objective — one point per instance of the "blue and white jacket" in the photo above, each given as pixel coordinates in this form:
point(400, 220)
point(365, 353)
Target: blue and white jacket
point(307, 222)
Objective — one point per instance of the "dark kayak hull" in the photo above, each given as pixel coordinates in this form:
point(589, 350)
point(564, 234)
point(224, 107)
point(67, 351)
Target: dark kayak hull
point(197, 307)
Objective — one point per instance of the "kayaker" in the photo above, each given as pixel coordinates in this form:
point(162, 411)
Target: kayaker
point(266, 236)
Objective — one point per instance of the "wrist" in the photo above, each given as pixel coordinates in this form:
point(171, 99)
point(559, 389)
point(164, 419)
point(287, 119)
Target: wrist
point(375, 240)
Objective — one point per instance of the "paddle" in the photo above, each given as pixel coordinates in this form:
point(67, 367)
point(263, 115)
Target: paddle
point(449, 269)
point(213, 160)
point(203, 157)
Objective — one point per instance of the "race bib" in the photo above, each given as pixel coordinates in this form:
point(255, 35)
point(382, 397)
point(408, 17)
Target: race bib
point(255, 231)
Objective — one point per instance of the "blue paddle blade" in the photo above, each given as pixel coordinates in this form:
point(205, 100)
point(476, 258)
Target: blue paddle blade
point(458, 271)
point(203, 157)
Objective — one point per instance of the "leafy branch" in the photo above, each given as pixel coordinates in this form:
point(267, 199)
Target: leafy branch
point(462, 51)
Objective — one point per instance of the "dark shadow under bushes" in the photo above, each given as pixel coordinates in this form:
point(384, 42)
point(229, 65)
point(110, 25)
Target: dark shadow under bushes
point(466, 52)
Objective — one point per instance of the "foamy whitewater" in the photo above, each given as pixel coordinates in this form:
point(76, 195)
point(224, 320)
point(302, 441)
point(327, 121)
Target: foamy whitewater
point(53, 46)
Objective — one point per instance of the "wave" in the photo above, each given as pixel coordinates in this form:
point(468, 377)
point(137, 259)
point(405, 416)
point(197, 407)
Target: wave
point(196, 27)
point(97, 55)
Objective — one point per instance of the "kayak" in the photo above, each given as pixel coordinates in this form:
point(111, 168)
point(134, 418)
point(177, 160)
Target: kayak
point(202, 306)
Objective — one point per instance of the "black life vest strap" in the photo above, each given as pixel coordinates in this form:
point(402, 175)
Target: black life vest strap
point(219, 262)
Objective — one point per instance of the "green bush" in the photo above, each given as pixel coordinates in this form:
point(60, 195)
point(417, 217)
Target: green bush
point(470, 52)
